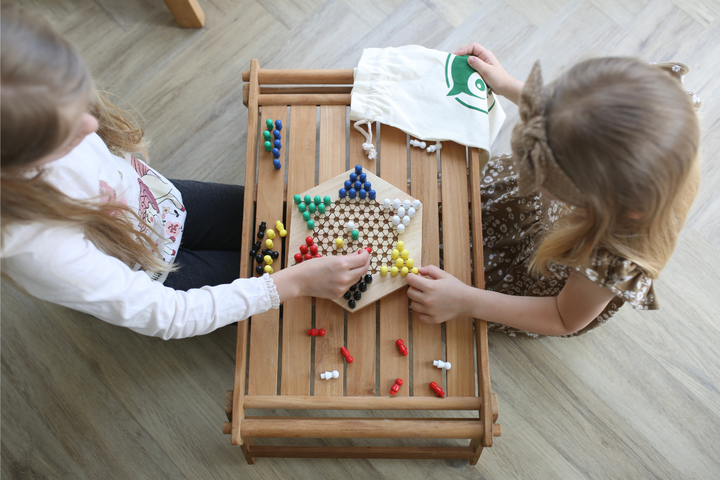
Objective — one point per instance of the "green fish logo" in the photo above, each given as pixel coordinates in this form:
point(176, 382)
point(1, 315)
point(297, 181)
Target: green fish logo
point(466, 85)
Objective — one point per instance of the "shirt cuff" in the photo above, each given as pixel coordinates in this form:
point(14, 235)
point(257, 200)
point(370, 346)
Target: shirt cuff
point(272, 291)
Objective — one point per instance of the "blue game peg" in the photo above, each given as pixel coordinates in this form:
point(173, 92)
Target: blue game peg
point(278, 124)
point(277, 164)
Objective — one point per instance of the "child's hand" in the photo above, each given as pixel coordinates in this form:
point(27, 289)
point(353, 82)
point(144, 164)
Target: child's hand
point(325, 277)
point(485, 63)
point(439, 298)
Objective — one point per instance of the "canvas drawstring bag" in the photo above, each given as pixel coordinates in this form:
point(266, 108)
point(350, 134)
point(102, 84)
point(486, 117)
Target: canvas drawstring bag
point(430, 95)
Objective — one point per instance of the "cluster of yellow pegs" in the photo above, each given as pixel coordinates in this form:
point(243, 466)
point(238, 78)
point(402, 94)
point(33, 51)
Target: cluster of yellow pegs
point(400, 262)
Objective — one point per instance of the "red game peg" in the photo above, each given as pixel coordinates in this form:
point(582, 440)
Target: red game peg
point(313, 249)
point(438, 391)
point(298, 258)
point(317, 255)
point(346, 354)
point(308, 256)
point(394, 389)
point(402, 347)
point(303, 249)
point(314, 332)
point(309, 241)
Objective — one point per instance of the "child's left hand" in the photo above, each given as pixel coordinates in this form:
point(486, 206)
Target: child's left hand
point(439, 298)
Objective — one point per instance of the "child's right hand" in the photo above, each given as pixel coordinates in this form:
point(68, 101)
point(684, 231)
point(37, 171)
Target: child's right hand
point(325, 277)
point(484, 62)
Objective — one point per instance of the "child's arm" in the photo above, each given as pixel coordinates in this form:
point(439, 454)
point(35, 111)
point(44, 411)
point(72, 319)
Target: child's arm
point(483, 60)
point(326, 277)
point(443, 297)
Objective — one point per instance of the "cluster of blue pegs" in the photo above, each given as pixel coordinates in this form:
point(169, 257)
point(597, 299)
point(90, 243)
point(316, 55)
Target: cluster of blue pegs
point(357, 186)
point(276, 144)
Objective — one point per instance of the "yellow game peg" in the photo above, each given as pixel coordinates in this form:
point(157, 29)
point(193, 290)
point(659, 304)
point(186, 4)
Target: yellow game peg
point(383, 270)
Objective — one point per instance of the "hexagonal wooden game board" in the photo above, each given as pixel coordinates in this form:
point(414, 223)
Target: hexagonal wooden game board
point(372, 222)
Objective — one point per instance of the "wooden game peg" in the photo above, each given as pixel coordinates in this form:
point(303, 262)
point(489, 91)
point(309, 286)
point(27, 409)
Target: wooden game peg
point(402, 347)
point(394, 389)
point(346, 354)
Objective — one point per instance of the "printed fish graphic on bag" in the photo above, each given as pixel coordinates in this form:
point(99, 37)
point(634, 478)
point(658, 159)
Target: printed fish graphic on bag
point(466, 85)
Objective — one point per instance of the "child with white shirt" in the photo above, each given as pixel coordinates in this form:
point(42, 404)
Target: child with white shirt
point(87, 225)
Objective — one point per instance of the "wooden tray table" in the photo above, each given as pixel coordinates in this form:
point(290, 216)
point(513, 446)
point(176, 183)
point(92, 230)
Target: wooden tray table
point(278, 365)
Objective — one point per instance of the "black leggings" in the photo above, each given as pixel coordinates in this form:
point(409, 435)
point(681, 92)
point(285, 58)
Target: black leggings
point(209, 252)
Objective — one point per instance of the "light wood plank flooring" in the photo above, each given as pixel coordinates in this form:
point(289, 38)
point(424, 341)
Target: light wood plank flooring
point(639, 398)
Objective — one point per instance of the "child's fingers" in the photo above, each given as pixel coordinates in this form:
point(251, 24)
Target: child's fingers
point(424, 318)
point(356, 260)
point(432, 271)
point(418, 307)
point(471, 49)
point(414, 294)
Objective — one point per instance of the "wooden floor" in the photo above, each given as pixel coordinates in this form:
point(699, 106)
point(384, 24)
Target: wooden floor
point(639, 398)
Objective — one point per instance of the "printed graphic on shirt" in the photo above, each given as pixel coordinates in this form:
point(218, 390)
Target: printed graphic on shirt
point(161, 211)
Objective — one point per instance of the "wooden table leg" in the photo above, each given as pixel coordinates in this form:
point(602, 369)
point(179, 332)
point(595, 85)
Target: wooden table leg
point(187, 13)
point(246, 451)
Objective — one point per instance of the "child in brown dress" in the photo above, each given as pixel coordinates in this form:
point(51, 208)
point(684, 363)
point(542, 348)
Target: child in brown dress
point(585, 213)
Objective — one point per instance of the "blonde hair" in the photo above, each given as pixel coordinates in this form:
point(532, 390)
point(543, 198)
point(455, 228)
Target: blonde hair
point(627, 135)
point(41, 74)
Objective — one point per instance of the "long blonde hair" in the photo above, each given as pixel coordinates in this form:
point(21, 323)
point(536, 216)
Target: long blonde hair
point(628, 136)
point(42, 73)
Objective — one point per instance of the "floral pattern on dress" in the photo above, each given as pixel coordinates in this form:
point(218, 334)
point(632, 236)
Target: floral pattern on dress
point(513, 227)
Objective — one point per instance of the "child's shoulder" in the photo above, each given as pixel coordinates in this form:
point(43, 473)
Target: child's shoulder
point(624, 277)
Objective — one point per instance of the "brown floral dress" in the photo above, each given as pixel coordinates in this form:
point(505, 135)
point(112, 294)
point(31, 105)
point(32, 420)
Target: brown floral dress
point(513, 227)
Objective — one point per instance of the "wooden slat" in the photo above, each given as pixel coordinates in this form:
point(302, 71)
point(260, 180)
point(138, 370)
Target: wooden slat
point(245, 260)
point(297, 313)
point(265, 331)
point(305, 99)
point(359, 427)
point(451, 453)
point(288, 402)
point(329, 315)
point(427, 337)
point(303, 77)
point(293, 427)
point(478, 160)
point(456, 254)
point(294, 89)
point(361, 325)
point(394, 323)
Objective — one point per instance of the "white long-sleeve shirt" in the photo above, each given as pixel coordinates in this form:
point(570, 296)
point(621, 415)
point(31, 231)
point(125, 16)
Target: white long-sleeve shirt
point(57, 263)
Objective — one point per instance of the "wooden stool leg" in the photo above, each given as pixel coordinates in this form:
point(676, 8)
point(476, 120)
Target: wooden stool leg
point(246, 450)
point(228, 404)
point(476, 444)
point(187, 13)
